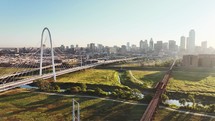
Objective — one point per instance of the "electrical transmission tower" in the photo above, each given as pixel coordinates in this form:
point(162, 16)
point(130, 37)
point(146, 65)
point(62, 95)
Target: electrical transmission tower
point(75, 110)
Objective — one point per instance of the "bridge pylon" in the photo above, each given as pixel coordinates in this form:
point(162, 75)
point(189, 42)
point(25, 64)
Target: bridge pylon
point(52, 53)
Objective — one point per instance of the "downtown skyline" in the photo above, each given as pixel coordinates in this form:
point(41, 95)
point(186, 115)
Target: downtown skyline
point(104, 22)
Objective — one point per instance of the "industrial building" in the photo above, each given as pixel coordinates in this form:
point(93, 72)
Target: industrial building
point(202, 60)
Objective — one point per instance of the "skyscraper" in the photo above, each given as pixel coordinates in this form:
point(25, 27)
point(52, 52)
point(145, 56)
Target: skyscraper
point(151, 45)
point(182, 43)
point(191, 42)
point(165, 46)
point(71, 46)
point(100, 48)
point(187, 45)
point(172, 45)
point(146, 46)
point(128, 46)
point(123, 49)
point(141, 44)
point(204, 46)
point(92, 47)
point(62, 47)
point(158, 46)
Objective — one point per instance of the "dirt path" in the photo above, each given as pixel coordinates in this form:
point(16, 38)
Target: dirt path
point(135, 77)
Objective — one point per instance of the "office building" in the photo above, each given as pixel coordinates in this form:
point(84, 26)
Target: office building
point(202, 60)
point(158, 46)
point(151, 45)
point(191, 42)
point(204, 45)
point(143, 46)
point(92, 47)
point(172, 45)
point(165, 46)
point(182, 43)
point(128, 46)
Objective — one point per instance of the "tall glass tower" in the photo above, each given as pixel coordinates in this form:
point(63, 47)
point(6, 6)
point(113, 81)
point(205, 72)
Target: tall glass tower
point(182, 43)
point(191, 41)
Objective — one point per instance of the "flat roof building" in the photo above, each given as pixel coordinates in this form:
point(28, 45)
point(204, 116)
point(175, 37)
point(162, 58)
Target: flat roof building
point(202, 60)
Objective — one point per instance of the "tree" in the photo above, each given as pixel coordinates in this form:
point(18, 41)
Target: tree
point(99, 91)
point(211, 108)
point(120, 93)
point(164, 97)
point(182, 101)
point(44, 85)
point(75, 89)
point(134, 94)
point(55, 88)
point(192, 99)
point(144, 85)
point(83, 87)
point(199, 107)
point(148, 98)
point(135, 91)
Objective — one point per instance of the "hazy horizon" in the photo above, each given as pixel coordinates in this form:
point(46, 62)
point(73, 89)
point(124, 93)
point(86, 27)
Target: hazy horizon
point(104, 22)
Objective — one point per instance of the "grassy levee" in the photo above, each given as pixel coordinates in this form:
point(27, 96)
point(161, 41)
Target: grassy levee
point(140, 79)
point(19, 105)
point(166, 115)
point(198, 81)
point(134, 68)
point(144, 62)
point(127, 81)
point(92, 76)
point(107, 80)
point(126, 65)
point(9, 70)
point(148, 78)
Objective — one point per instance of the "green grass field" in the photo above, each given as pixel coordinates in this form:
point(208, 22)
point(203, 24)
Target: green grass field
point(127, 65)
point(110, 77)
point(150, 78)
point(192, 81)
point(22, 105)
point(92, 76)
point(166, 115)
point(142, 63)
point(134, 64)
point(8, 70)
point(28, 106)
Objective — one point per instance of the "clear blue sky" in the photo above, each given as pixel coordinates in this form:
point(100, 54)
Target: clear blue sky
point(109, 22)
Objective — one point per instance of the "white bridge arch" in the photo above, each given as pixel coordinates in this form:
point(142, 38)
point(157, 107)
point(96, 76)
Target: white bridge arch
point(52, 54)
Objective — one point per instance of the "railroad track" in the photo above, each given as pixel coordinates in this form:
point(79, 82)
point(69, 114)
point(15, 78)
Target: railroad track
point(160, 89)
